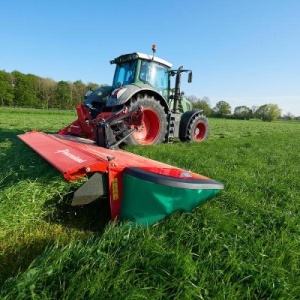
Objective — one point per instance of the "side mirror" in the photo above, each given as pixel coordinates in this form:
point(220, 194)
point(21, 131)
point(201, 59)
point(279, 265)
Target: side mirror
point(190, 77)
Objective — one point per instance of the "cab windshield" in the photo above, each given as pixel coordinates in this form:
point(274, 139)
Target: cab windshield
point(124, 73)
point(154, 74)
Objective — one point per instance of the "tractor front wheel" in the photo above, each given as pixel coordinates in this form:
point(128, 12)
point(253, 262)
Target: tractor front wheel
point(154, 127)
point(193, 127)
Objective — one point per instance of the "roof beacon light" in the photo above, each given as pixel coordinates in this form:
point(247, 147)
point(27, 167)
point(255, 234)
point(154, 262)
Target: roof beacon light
point(153, 50)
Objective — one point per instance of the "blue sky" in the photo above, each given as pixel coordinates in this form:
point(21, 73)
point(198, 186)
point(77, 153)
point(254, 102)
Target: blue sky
point(242, 52)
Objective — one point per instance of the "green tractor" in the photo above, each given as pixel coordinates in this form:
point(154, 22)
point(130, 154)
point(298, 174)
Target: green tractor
point(141, 106)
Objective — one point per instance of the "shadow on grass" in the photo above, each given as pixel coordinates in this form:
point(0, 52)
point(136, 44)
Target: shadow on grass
point(18, 257)
point(10, 135)
point(91, 217)
point(19, 162)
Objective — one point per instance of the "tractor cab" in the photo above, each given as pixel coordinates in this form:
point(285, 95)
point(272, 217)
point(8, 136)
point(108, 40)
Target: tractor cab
point(133, 72)
point(139, 72)
point(142, 69)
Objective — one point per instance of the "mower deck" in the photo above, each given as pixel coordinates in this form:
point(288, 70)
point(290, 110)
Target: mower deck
point(135, 184)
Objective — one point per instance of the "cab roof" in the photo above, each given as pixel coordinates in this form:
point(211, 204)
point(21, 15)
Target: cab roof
point(135, 55)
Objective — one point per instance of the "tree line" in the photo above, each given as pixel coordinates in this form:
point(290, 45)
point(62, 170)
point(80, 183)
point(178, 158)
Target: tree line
point(267, 112)
point(28, 90)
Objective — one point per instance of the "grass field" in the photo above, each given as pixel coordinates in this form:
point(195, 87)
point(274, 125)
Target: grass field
point(243, 244)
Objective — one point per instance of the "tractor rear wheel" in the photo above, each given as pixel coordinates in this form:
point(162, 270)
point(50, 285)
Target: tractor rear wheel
point(154, 127)
point(194, 128)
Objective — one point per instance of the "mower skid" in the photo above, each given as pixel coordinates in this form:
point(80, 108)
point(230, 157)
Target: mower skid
point(91, 190)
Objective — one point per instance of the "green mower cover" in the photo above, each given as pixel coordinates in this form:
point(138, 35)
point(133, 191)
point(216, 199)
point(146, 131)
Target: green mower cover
point(149, 197)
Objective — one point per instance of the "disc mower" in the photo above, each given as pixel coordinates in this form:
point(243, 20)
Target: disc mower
point(140, 108)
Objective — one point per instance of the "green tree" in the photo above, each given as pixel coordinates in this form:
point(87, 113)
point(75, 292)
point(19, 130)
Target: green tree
point(6, 89)
point(202, 104)
point(24, 89)
point(288, 116)
point(94, 86)
point(242, 112)
point(78, 91)
point(32, 100)
point(63, 97)
point(45, 90)
point(268, 112)
point(222, 109)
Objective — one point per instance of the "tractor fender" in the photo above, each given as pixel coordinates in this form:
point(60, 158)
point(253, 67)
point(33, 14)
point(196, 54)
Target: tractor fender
point(121, 95)
point(186, 122)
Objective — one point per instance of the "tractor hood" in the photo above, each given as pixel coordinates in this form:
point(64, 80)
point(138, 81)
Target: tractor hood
point(111, 96)
point(122, 94)
point(100, 94)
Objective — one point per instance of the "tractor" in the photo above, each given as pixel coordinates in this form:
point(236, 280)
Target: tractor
point(141, 107)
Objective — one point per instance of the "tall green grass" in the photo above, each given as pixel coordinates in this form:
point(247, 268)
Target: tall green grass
point(243, 244)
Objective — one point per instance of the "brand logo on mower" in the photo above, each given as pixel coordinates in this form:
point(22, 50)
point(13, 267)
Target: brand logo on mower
point(67, 153)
